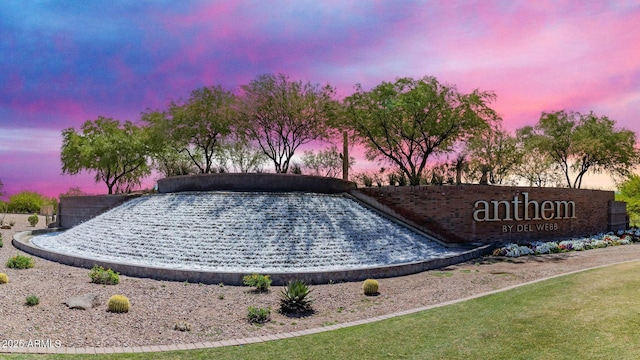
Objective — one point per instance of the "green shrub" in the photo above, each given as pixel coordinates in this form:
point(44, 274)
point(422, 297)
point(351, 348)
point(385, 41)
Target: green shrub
point(21, 262)
point(4, 279)
point(402, 180)
point(1, 244)
point(32, 300)
point(118, 304)
point(370, 287)
point(26, 202)
point(99, 275)
point(33, 219)
point(293, 298)
point(258, 315)
point(260, 282)
point(366, 179)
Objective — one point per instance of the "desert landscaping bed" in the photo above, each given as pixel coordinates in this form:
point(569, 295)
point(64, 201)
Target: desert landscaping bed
point(218, 312)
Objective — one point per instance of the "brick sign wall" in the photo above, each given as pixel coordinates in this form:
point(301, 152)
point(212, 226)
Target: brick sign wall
point(481, 213)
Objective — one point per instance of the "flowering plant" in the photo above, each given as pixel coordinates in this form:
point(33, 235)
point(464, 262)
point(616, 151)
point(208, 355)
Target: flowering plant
point(260, 282)
point(623, 237)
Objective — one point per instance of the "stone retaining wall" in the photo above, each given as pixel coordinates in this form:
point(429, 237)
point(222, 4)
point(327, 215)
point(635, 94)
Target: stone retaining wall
point(73, 210)
point(618, 218)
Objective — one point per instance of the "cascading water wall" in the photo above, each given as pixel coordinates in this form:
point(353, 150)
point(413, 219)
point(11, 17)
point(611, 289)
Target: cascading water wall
point(245, 232)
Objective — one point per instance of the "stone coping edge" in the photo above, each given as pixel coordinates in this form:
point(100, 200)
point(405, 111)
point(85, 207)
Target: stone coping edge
point(281, 336)
point(254, 182)
point(22, 241)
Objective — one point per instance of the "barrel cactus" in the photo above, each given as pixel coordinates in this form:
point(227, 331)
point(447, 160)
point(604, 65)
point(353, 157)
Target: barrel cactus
point(370, 287)
point(118, 304)
point(33, 220)
point(4, 278)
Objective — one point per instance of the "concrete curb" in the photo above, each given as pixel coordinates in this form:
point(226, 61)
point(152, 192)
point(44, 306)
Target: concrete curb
point(22, 241)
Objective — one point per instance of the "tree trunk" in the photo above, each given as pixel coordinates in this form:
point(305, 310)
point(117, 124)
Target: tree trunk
point(345, 157)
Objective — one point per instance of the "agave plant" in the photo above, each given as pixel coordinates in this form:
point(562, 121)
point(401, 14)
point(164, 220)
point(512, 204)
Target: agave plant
point(293, 298)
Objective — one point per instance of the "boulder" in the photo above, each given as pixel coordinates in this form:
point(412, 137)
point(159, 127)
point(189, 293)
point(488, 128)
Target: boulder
point(84, 302)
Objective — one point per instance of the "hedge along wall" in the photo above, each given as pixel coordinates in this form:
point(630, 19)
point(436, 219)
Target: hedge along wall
point(73, 210)
point(485, 214)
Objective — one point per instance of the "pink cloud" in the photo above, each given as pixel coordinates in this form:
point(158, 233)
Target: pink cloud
point(536, 56)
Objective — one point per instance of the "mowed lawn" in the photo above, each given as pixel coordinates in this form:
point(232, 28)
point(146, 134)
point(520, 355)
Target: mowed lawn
point(589, 315)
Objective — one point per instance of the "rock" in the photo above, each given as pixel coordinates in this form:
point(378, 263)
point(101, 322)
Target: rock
point(84, 302)
point(182, 326)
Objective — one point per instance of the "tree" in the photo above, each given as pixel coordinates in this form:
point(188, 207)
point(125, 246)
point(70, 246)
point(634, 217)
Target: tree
point(194, 128)
point(460, 164)
point(117, 153)
point(73, 191)
point(327, 162)
point(170, 162)
point(241, 156)
point(536, 167)
point(580, 143)
point(629, 192)
point(281, 115)
point(441, 173)
point(407, 121)
point(492, 154)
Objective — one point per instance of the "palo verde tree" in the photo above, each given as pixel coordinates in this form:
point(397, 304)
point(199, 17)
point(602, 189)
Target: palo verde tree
point(536, 167)
point(193, 128)
point(407, 121)
point(168, 159)
point(579, 143)
point(117, 153)
point(327, 162)
point(241, 156)
point(169, 162)
point(280, 115)
point(492, 155)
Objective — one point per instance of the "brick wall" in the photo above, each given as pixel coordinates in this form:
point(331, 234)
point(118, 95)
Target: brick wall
point(446, 211)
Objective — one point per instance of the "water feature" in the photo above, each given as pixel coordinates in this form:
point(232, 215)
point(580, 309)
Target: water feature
point(245, 232)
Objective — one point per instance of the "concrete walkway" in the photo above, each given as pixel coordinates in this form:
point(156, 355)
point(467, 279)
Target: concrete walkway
point(265, 338)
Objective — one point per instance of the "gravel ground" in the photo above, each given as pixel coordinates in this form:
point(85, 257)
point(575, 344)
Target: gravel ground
point(218, 312)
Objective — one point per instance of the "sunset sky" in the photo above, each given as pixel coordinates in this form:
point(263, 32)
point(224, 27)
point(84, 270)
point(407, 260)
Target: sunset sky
point(65, 62)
